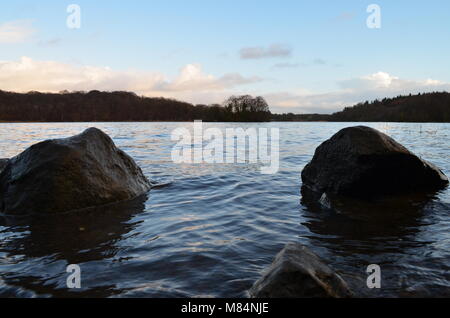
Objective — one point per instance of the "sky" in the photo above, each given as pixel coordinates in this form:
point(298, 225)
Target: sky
point(301, 56)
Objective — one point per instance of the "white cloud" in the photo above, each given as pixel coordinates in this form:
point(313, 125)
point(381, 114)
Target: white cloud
point(192, 84)
point(351, 92)
point(192, 78)
point(274, 50)
point(15, 31)
point(386, 83)
point(380, 80)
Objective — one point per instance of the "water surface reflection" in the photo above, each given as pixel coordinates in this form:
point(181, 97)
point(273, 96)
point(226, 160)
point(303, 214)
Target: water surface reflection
point(213, 228)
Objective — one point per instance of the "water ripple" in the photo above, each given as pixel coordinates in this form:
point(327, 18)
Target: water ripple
point(209, 230)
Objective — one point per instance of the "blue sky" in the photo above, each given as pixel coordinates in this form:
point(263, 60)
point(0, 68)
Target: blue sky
point(302, 56)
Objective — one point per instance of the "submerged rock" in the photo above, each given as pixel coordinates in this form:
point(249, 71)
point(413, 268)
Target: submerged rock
point(363, 162)
point(3, 163)
point(299, 273)
point(83, 171)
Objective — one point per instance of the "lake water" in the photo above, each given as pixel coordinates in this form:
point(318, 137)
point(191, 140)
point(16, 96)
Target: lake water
point(213, 228)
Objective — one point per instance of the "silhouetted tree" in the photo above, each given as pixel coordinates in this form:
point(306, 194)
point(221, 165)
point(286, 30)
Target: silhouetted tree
point(247, 108)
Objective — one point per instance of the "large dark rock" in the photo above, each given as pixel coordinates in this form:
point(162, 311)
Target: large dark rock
point(299, 273)
point(363, 162)
point(3, 163)
point(74, 173)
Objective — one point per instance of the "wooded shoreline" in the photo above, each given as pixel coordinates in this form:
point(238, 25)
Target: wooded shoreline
point(96, 106)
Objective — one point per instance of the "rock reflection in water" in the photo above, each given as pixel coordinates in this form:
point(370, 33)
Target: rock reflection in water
point(70, 238)
point(372, 232)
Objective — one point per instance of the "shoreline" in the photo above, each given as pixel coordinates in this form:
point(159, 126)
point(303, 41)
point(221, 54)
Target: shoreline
point(243, 122)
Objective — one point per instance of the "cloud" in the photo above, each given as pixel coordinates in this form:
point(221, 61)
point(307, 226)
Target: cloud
point(319, 61)
point(386, 83)
point(192, 84)
point(286, 65)
point(274, 50)
point(351, 92)
point(316, 61)
point(284, 102)
point(50, 43)
point(192, 78)
point(15, 31)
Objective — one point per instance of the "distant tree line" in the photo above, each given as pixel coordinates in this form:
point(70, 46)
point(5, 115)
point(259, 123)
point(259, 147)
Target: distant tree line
point(127, 106)
point(123, 106)
point(429, 107)
point(300, 117)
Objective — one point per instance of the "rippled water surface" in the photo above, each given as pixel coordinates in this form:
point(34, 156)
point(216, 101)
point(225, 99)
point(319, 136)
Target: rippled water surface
point(213, 228)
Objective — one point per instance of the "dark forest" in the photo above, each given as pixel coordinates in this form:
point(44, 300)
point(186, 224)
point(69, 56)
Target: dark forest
point(96, 106)
point(429, 107)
